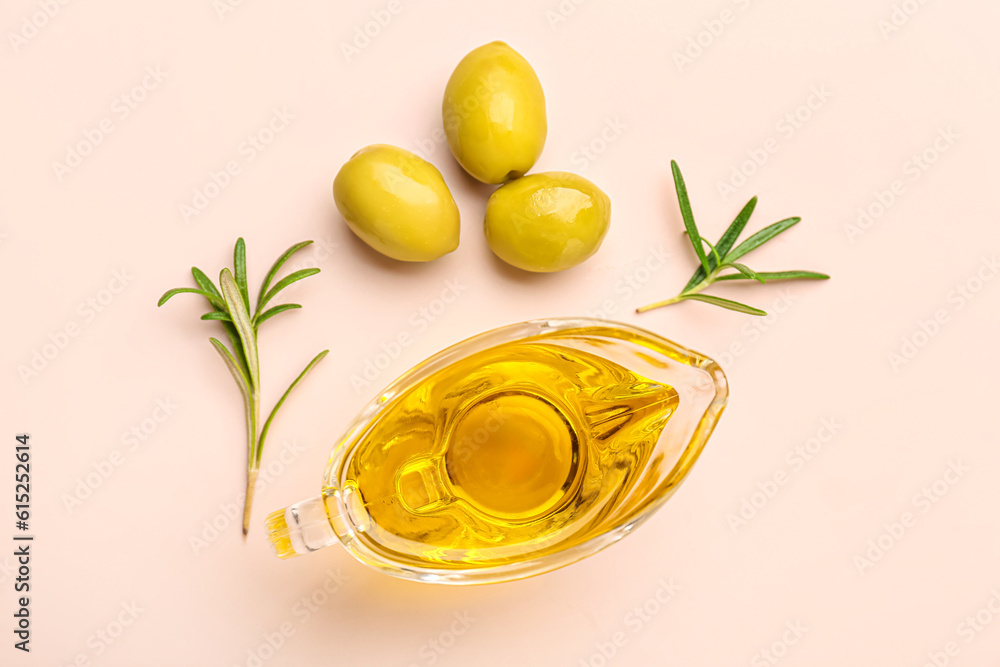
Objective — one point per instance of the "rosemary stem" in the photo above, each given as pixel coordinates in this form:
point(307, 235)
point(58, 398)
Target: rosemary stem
point(248, 500)
point(683, 295)
point(253, 409)
point(658, 304)
point(700, 286)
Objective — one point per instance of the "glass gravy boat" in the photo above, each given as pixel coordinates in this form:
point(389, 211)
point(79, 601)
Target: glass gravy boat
point(512, 453)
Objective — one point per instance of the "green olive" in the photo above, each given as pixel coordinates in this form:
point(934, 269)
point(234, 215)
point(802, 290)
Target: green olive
point(494, 114)
point(397, 203)
point(547, 222)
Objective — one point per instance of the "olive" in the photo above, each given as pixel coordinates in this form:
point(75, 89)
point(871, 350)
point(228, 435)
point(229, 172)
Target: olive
point(397, 203)
point(494, 114)
point(547, 222)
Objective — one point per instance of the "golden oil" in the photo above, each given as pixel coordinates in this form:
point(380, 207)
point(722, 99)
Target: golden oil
point(503, 454)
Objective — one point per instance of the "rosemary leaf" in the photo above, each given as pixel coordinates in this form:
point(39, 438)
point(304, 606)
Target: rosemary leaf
point(689, 225)
point(726, 303)
point(724, 255)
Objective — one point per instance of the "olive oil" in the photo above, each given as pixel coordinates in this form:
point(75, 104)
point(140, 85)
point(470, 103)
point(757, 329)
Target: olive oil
point(503, 451)
point(512, 453)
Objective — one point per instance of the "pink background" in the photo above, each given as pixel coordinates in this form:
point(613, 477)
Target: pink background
point(819, 370)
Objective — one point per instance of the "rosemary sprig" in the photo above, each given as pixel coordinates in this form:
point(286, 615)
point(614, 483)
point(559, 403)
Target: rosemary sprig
point(231, 308)
point(722, 256)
